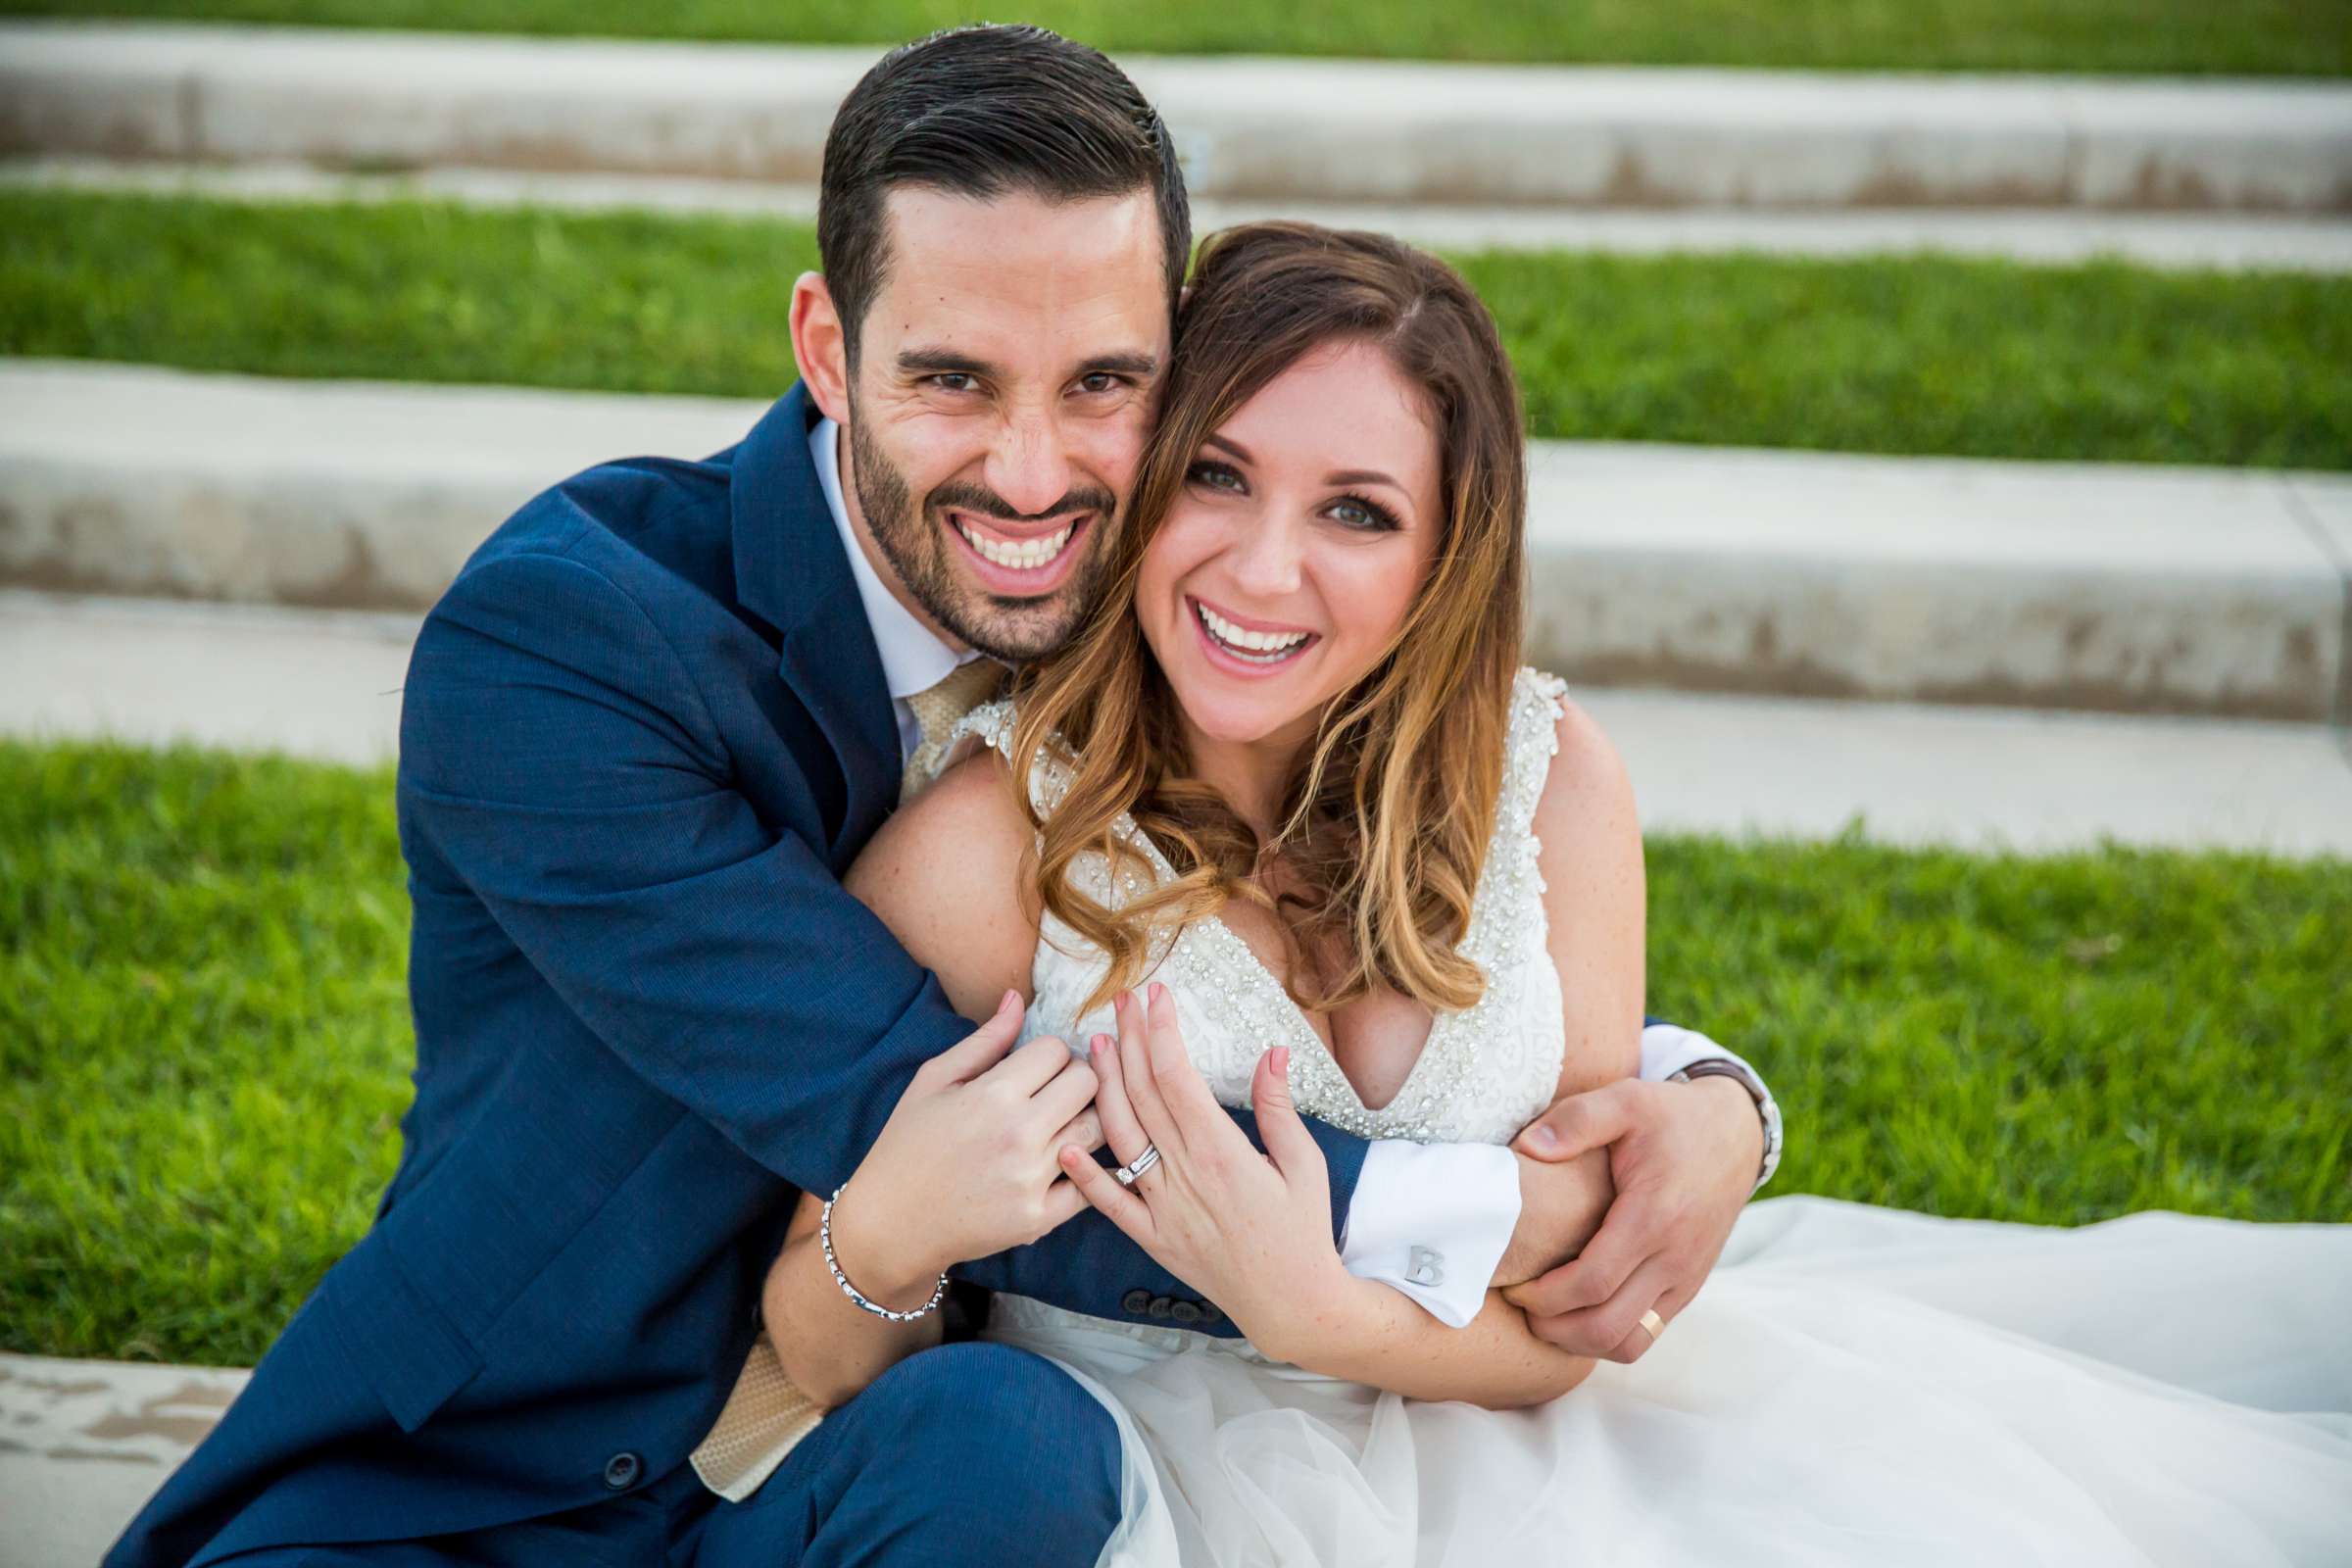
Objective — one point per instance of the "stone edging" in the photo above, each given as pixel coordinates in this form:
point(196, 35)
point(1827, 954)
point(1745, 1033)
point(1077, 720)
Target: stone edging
point(2042, 585)
point(1248, 128)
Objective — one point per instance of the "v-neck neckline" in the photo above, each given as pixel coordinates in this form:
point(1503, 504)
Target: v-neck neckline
point(1302, 1027)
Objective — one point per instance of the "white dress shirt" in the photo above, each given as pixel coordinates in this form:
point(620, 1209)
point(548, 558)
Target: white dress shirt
point(1432, 1220)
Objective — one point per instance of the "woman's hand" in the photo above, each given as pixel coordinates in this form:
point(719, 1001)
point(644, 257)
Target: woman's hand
point(964, 1168)
point(1250, 1231)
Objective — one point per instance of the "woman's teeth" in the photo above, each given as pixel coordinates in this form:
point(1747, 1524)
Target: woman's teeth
point(1026, 556)
point(1255, 647)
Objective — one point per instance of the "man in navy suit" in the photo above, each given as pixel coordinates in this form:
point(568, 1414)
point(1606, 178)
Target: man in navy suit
point(644, 733)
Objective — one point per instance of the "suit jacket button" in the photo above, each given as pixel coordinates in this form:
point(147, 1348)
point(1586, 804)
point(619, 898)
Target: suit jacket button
point(621, 1471)
point(1209, 1313)
point(1137, 1302)
point(1185, 1312)
point(1161, 1306)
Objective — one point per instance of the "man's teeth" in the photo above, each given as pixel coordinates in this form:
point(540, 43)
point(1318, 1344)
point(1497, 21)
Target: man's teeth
point(1265, 646)
point(1026, 556)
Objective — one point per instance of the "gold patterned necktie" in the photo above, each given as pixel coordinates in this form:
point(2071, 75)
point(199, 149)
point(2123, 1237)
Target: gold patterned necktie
point(767, 1414)
point(937, 712)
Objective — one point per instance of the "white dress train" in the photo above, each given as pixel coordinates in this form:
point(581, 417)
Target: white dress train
point(1855, 1385)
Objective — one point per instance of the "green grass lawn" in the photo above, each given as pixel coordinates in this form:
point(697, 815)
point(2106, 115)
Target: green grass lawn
point(205, 1040)
point(2290, 38)
point(2102, 362)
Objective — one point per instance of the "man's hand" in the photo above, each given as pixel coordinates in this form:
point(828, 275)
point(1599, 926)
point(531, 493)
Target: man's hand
point(1684, 1159)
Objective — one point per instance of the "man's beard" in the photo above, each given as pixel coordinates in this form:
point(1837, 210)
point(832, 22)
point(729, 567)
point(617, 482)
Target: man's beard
point(1011, 630)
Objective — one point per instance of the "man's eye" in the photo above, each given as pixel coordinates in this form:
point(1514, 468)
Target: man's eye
point(953, 381)
point(1099, 382)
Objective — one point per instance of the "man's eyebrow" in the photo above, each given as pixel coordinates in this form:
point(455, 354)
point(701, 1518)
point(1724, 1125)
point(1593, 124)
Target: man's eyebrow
point(942, 362)
point(1142, 366)
point(950, 361)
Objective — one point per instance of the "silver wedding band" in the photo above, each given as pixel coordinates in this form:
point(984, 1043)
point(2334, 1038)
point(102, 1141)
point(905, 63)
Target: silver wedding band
point(1126, 1175)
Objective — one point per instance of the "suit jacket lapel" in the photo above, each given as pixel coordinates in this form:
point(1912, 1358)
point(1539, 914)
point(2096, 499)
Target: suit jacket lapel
point(790, 571)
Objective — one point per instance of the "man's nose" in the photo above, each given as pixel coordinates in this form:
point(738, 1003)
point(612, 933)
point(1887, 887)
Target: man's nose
point(1029, 465)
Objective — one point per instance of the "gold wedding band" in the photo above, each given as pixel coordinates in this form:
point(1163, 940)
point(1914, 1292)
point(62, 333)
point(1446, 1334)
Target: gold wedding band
point(1653, 1325)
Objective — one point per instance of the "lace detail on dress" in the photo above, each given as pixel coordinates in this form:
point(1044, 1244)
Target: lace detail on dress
point(1483, 1073)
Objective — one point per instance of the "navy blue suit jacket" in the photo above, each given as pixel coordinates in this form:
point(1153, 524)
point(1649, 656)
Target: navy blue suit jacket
point(643, 736)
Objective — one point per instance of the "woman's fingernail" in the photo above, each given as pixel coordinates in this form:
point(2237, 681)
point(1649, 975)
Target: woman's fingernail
point(1096, 1045)
point(1540, 1135)
point(1159, 993)
point(1282, 1061)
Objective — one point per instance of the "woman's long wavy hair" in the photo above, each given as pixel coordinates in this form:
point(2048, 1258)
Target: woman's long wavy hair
point(1386, 816)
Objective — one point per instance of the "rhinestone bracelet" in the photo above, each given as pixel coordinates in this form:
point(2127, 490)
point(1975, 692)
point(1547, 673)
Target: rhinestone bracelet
point(824, 1234)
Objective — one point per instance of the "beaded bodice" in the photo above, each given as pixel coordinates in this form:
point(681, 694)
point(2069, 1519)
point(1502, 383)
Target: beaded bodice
point(1485, 1071)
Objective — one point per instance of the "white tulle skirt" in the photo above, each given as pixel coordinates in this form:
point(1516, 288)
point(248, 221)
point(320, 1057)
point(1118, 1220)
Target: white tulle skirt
point(1855, 1385)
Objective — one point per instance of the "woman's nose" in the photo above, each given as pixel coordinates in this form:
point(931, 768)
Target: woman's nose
point(1266, 560)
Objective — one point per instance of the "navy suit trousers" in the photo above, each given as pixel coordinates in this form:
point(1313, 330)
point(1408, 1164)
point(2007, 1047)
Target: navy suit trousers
point(966, 1454)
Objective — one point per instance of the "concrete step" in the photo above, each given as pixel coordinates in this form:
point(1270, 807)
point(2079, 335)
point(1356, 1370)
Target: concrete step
point(1249, 128)
point(326, 684)
point(2297, 242)
point(2040, 585)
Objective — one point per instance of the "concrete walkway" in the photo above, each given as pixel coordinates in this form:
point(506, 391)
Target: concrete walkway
point(1802, 574)
point(326, 685)
point(2290, 242)
point(83, 1444)
point(1249, 128)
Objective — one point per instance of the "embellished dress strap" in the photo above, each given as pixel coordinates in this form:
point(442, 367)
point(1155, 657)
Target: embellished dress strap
point(993, 723)
point(1529, 745)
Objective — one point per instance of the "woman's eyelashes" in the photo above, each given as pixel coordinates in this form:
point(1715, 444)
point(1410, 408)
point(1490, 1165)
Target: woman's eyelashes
point(1358, 514)
point(1374, 518)
point(1216, 477)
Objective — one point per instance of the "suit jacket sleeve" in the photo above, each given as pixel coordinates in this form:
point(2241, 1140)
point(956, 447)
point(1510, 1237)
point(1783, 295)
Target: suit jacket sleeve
point(558, 757)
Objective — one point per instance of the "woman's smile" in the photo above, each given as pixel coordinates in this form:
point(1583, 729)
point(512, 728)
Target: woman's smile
point(1248, 648)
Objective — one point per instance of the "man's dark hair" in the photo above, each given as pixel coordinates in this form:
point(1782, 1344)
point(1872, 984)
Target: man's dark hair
point(986, 112)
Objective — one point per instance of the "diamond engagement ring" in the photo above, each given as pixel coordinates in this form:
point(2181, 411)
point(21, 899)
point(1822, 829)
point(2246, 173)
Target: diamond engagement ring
point(1127, 1175)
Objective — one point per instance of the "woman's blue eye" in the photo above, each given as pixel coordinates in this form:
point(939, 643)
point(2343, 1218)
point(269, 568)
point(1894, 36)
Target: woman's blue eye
point(1354, 511)
point(1215, 475)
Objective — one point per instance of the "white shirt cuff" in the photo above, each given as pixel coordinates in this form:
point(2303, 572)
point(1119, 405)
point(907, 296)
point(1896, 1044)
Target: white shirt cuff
point(1432, 1220)
point(1668, 1049)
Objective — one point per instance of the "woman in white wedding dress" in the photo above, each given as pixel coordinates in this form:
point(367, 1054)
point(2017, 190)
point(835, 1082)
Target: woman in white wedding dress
point(1386, 879)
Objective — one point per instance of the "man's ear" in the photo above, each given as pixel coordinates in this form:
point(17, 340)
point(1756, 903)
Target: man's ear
point(820, 346)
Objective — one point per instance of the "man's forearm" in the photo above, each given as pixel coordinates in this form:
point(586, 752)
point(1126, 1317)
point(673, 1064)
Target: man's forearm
point(1736, 1110)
